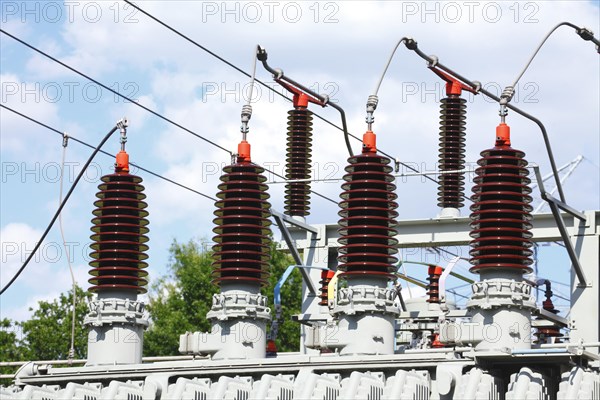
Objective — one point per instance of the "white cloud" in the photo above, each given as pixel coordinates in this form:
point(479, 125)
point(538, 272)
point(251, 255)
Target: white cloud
point(197, 91)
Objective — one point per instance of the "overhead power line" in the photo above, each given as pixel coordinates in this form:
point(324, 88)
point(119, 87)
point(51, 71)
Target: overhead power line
point(108, 154)
point(138, 104)
point(225, 61)
point(115, 92)
point(118, 126)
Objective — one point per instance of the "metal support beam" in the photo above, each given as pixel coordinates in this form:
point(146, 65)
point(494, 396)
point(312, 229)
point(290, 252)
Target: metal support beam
point(551, 200)
point(444, 232)
point(563, 322)
point(294, 222)
point(565, 207)
point(285, 233)
point(560, 223)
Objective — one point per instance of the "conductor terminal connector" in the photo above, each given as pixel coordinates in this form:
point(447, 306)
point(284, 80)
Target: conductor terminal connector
point(246, 115)
point(371, 107)
point(507, 95)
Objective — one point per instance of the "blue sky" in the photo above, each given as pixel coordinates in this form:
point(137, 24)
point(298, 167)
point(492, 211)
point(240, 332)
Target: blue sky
point(338, 48)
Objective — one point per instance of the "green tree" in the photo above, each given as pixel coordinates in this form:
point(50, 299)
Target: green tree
point(288, 337)
point(10, 346)
point(47, 334)
point(179, 301)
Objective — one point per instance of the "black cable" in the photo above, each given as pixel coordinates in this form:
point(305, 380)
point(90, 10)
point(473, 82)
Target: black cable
point(413, 46)
point(115, 92)
point(324, 100)
point(272, 89)
point(110, 155)
point(261, 82)
point(282, 177)
point(62, 204)
point(139, 105)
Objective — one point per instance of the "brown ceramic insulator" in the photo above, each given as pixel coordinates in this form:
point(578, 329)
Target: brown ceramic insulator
point(241, 252)
point(452, 151)
point(433, 288)
point(367, 227)
point(326, 276)
point(298, 162)
point(435, 341)
point(119, 235)
point(501, 212)
point(548, 331)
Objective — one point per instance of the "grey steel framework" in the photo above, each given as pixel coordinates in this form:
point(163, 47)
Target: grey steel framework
point(462, 369)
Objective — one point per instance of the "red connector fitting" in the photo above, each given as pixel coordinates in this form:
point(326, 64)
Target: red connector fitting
point(301, 98)
point(503, 135)
point(453, 85)
point(369, 142)
point(243, 152)
point(122, 162)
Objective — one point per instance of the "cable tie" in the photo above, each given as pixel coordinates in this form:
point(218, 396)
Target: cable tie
point(410, 43)
point(585, 33)
point(434, 61)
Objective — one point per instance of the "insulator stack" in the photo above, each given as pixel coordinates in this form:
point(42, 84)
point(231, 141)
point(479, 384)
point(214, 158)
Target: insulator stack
point(452, 151)
point(546, 332)
point(119, 235)
point(298, 162)
point(433, 289)
point(326, 277)
point(368, 218)
point(501, 212)
point(241, 252)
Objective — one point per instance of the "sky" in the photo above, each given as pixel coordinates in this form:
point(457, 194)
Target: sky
point(336, 48)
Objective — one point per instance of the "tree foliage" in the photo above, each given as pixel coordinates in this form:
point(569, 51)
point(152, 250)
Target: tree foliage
point(179, 302)
point(10, 348)
point(47, 334)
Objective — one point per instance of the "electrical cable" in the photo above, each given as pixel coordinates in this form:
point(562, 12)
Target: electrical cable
point(141, 106)
point(312, 191)
point(374, 99)
point(387, 65)
point(253, 77)
point(263, 83)
point(65, 143)
point(142, 168)
point(110, 155)
point(247, 108)
point(582, 32)
point(115, 92)
point(322, 100)
point(182, 127)
point(412, 45)
point(62, 204)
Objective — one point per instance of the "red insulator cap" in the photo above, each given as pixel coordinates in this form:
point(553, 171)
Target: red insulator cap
point(300, 100)
point(243, 151)
point(122, 162)
point(435, 343)
point(271, 347)
point(369, 142)
point(454, 87)
point(503, 135)
point(435, 270)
